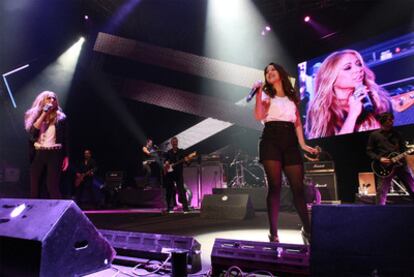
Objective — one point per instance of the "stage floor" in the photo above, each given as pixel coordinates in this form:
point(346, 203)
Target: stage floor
point(205, 231)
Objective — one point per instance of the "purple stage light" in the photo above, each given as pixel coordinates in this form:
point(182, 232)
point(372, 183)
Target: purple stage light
point(263, 33)
point(268, 28)
point(86, 17)
point(307, 18)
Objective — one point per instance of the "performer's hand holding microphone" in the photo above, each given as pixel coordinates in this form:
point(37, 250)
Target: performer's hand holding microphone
point(256, 86)
point(48, 107)
point(362, 92)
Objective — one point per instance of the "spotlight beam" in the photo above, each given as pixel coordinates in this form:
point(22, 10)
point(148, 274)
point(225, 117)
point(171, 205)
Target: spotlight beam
point(7, 83)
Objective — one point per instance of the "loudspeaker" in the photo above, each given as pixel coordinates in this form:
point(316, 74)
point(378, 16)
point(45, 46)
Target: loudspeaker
point(150, 197)
point(49, 238)
point(202, 179)
point(257, 195)
point(278, 258)
point(152, 246)
point(356, 240)
point(227, 206)
point(326, 183)
point(366, 183)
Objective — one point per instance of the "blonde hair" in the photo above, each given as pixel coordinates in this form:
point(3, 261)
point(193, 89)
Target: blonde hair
point(37, 106)
point(324, 116)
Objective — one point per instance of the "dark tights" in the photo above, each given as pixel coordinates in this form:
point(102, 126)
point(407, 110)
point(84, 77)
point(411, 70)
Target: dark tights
point(294, 174)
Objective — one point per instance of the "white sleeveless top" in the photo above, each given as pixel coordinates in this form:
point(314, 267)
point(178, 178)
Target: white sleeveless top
point(281, 109)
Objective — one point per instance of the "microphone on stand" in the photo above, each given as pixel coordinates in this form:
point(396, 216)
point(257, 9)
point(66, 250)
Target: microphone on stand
point(366, 101)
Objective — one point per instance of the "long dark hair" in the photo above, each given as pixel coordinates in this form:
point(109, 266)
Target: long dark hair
point(289, 89)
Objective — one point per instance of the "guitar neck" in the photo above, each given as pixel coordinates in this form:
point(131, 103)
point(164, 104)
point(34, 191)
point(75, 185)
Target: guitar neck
point(402, 155)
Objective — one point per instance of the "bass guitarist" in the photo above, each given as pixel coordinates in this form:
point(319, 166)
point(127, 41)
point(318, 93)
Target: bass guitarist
point(173, 169)
point(84, 178)
point(381, 143)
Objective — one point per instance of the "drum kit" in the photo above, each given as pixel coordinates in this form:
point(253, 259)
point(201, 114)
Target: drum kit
point(248, 172)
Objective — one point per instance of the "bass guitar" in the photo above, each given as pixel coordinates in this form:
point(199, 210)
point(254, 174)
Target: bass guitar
point(170, 167)
point(81, 176)
point(384, 171)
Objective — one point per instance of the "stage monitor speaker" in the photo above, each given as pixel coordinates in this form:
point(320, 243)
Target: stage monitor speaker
point(49, 238)
point(257, 195)
point(152, 246)
point(362, 240)
point(227, 206)
point(150, 197)
point(278, 258)
point(326, 183)
point(366, 183)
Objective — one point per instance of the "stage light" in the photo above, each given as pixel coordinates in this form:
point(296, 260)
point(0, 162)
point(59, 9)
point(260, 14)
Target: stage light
point(70, 57)
point(86, 17)
point(56, 77)
point(307, 18)
point(268, 28)
point(263, 33)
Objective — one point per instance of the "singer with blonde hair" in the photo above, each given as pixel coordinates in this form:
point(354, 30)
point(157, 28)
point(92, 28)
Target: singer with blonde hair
point(346, 98)
point(46, 124)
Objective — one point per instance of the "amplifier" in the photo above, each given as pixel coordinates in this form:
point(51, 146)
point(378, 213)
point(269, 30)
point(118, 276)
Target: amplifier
point(211, 158)
point(114, 176)
point(319, 167)
point(325, 183)
point(277, 258)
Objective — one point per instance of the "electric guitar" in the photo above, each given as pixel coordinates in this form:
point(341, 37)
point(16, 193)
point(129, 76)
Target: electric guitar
point(81, 176)
point(402, 102)
point(170, 167)
point(382, 170)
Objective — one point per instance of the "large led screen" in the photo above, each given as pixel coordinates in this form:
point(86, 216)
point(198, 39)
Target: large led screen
point(344, 91)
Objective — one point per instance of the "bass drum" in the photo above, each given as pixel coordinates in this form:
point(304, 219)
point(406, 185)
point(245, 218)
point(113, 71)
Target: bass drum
point(254, 175)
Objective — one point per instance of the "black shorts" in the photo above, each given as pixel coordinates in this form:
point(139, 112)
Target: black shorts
point(280, 143)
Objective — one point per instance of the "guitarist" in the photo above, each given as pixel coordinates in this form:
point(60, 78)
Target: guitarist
point(84, 177)
point(150, 156)
point(175, 176)
point(381, 143)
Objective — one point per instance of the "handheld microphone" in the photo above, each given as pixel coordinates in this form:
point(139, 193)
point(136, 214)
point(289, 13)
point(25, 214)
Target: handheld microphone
point(251, 94)
point(47, 107)
point(366, 101)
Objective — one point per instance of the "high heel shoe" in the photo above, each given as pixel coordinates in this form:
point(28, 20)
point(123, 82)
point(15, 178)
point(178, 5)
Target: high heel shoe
point(273, 238)
point(306, 237)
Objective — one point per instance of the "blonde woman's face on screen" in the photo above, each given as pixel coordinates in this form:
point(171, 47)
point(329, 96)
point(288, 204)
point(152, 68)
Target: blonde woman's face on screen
point(272, 75)
point(350, 72)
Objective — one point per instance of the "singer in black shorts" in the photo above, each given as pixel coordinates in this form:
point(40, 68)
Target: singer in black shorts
point(279, 147)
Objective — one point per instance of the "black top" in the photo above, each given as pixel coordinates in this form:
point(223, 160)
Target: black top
point(153, 154)
point(174, 157)
point(88, 165)
point(381, 143)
